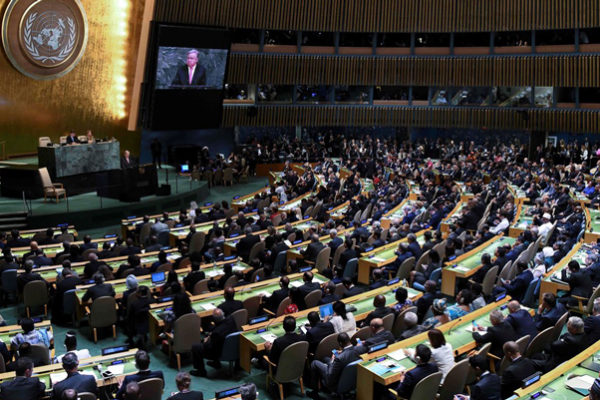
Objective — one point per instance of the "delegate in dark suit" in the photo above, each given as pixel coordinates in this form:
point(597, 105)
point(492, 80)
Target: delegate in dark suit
point(549, 318)
point(77, 381)
point(22, 388)
point(281, 343)
point(245, 244)
point(137, 377)
point(213, 346)
point(497, 335)
point(513, 375)
point(182, 77)
point(317, 333)
point(488, 388)
point(190, 395)
point(592, 328)
point(412, 377)
point(523, 323)
point(331, 371)
point(312, 250)
point(98, 290)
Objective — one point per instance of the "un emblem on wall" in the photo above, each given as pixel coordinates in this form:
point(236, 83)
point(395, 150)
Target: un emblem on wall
point(44, 39)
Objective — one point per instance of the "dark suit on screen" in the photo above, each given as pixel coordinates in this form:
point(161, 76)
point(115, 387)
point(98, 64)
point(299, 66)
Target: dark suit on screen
point(182, 77)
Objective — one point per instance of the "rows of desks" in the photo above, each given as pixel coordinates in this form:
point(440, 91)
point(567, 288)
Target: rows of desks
point(382, 256)
point(203, 304)
point(30, 233)
point(52, 249)
point(253, 341)
point(384, 366)
point(466, 265)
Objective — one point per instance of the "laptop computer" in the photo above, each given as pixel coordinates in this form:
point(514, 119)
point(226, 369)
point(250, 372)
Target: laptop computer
point(326, 310)
point(158, 277)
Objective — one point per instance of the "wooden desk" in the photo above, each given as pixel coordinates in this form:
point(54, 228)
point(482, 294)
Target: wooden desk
point(30, 233)
point(469, 263)
point(592, 229)
point(252, 342)
point(455, 333)
point(50, 250)
point(204, 304)
point(382, 256)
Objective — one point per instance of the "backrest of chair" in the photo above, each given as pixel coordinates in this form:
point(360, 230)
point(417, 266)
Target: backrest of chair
point(258, 275)
point(336, 256)
point(252, 304)
point(388, 321)
point(471, 375)
point(276, 220)
point(291, 362)
point(186, 333)
point(280, 261)
point(405, 268)
point(505, 272)
point(9, 280)
point(347, 380)
point(256, 249)
point(529, 297)
point(326, 346)
point(201, 286)
point(489, 280)
point(2, 364)
point(145, 232)
point(539, 342)
point(240, 317)
point(322, 260)
point(35, 293)
point(312, 299)
point(87, 252)
point(197, 242)
point(151, 389)
point(559, 325)
point(522, 343)
point(41, 354)
point(440, 248)
point(362, 334)
point(163, 238)
point(86, 396)
point(455, 380)
point(427, 387)
point(350, 268)
point(590, 304)
point(103, 312)
point(45, 177)
point(166, 267)
point(424, 259)
point(399, 324)
point(231, 347)
point(283, 305)
point(340, 289)
point(231, 281)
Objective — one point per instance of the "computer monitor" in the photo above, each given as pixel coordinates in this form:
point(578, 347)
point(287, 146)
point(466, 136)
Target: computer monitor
point(185, 168)
point(326, 310)
point(158, 277)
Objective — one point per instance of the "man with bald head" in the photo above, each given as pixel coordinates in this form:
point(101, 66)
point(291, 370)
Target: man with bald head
point(33, 248)
point(230, 305)
point(521, 321)
point(380, 311)
point(499, 333)
point(519, 369)
point(212, 345)
point(308, 285)
point(313, 249)
point(378, 335)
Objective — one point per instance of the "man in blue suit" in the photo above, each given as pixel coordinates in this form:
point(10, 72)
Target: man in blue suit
point(142, 362)
point(74, 380)
point(517, 287)
point(488, 386)
point(521, 320)
point(409, 379)
point(23, 387)
point(549, 312)
point(335, 241)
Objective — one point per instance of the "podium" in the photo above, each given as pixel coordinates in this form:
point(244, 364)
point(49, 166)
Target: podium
point(128, 185)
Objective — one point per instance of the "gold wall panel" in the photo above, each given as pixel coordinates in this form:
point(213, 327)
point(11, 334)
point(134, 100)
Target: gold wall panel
point(561, 71)
point(385, 15)
point(95, 95)
point(578, 121)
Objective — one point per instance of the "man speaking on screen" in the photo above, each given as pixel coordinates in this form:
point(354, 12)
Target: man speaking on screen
point(190, 74)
